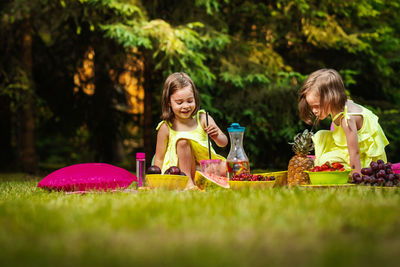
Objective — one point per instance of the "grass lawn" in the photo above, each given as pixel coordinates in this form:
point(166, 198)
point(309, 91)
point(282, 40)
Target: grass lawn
point(356, 226)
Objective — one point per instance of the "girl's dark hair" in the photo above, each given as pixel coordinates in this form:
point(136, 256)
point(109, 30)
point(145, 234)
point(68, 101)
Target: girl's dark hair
point(173, 83)
point(328, 84)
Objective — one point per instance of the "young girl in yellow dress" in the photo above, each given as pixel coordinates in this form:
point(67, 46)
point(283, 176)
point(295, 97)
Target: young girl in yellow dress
point(182, 135)
point(357, 138)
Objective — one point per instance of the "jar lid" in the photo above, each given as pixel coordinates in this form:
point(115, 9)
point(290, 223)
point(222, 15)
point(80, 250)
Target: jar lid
point(140, 155)
point(235, 127)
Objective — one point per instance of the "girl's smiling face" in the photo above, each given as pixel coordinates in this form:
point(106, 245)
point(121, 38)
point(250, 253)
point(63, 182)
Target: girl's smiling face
point(314, 101)
point(182, 103)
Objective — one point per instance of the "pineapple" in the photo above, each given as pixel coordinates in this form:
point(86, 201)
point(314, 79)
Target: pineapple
point(302, 146)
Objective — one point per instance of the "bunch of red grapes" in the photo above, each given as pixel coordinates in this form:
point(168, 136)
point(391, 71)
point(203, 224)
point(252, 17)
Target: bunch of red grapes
point(245, 176)
point(378, 174)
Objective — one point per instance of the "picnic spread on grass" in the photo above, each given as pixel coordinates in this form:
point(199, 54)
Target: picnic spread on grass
point(234, 173)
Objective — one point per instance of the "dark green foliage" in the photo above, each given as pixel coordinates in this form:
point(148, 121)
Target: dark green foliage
point(270, 116)
point(247, 58)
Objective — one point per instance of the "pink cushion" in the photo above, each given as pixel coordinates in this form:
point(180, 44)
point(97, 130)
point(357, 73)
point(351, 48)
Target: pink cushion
point(88, 176)
point(396, 167)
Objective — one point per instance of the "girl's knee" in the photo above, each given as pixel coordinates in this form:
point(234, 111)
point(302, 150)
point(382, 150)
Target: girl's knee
point(183, 144)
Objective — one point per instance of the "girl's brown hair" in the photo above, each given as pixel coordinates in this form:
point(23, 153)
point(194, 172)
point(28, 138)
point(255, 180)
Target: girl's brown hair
point(328, 84)
point(173, 83)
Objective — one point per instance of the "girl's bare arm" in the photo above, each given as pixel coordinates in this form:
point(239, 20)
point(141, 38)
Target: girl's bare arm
point(161, 147)
point(213, 131)
point(350, 130)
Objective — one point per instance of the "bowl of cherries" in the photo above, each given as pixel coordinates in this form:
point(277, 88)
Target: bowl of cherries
point(378, 173)
point(248, 180)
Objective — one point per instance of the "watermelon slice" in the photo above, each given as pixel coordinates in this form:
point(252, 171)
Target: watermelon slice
point(209, 180)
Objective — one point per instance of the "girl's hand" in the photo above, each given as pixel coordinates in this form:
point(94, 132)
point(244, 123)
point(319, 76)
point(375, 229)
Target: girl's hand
point(212, 131)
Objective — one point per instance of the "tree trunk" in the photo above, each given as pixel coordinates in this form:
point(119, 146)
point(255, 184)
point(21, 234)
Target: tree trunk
point(6, 153)
point(26, 117)
point(104, 119)
point(147, 116)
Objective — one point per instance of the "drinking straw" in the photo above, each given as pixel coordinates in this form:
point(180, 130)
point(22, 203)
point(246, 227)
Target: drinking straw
point(208, 137)
point(312, 128)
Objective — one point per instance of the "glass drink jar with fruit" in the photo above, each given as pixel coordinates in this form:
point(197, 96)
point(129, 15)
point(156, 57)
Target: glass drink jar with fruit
point(237, 161)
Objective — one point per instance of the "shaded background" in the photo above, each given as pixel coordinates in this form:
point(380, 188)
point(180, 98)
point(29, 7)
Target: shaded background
point(80, 81)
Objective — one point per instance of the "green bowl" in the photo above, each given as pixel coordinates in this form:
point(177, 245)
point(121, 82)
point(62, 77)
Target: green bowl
point(331, 178)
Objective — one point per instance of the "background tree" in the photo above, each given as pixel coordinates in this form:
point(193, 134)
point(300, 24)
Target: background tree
point(248, 59)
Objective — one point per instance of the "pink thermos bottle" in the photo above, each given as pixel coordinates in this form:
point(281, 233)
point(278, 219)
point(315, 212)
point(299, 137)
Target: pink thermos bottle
point(140, 168)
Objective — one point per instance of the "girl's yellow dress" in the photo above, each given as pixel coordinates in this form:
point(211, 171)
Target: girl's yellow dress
point(198, 141)
point(332, 145)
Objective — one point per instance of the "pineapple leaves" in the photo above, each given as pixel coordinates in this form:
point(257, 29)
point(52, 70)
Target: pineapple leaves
point(303, 144)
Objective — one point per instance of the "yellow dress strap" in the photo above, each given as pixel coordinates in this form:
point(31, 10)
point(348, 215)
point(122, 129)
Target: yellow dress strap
point(198, 117)
point(161, 123)
point(345, 115)
point(200, 111)
point(169, 126)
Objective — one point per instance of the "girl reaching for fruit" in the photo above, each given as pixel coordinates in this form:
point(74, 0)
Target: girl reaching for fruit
point(182, 135)
point(357, 139)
